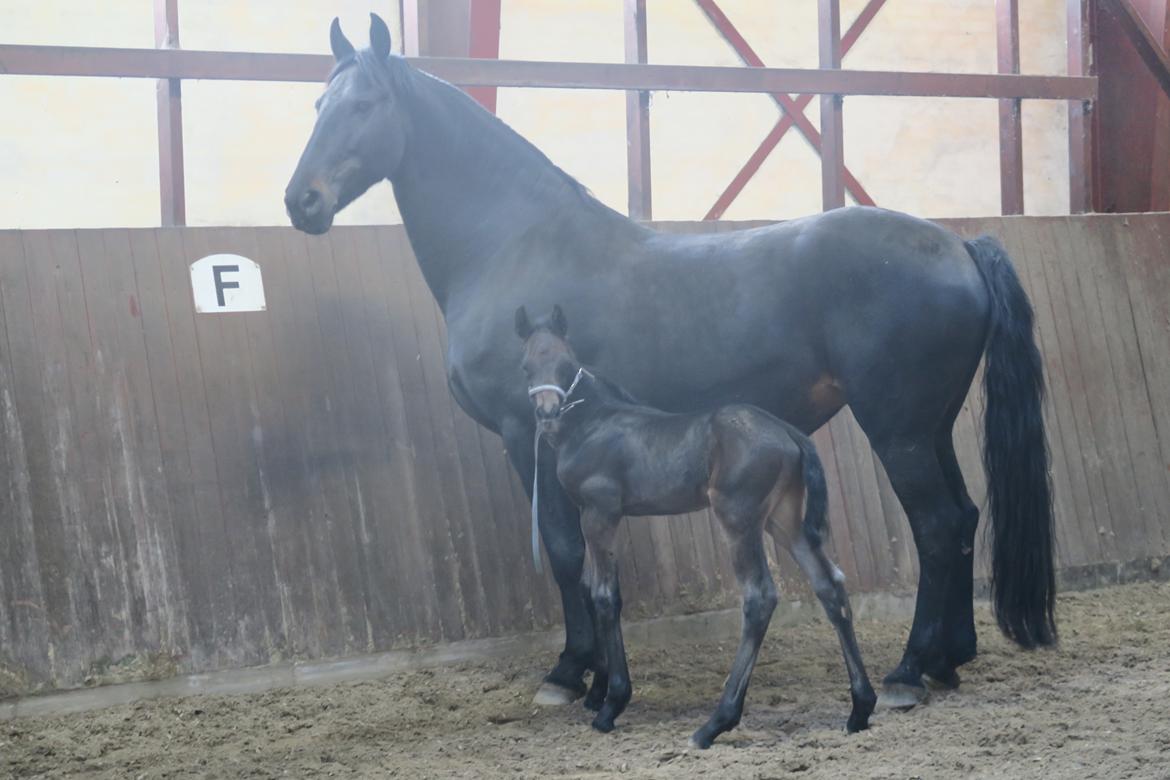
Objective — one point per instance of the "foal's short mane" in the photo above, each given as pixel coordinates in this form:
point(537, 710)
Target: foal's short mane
point(612, 388)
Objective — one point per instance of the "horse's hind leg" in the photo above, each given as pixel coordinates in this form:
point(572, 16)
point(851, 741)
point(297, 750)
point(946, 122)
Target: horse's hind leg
point(759, 600)
point(959, 624)
point(602, 577)
point(829, 585)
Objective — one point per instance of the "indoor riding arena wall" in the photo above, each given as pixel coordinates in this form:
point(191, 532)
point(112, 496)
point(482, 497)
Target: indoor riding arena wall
point(184, 492)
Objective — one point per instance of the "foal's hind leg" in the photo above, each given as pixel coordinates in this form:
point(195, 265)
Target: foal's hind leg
point(829, 585)
point(759, 600)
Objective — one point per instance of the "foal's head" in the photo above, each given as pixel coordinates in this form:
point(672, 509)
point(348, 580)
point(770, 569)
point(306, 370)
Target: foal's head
point(549, 363)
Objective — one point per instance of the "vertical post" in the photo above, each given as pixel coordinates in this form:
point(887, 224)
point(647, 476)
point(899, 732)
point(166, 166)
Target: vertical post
point(414, 24)
point(637, 115)
point(484, 43)
point(1011, 144)
point(172, 189)
point(832, 128)
point(1081, 185)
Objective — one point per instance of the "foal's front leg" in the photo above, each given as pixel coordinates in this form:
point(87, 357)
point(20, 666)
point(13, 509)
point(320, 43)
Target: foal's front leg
point(601, 575)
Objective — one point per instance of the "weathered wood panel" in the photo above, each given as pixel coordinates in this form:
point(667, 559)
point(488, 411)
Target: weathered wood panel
point(187, 491)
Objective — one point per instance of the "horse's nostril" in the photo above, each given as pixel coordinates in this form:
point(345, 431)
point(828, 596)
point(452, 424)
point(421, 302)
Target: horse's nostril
point(310, 201)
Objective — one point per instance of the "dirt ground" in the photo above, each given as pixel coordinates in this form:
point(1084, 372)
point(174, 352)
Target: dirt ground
point(1094, 708)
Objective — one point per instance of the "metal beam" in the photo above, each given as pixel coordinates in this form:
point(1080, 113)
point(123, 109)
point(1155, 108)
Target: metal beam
point(637, 116)
point(781, 128)
point(169, 93)
point(1080, 118)
point(1148, 47)
point(1011, 146)
point(832, 126)
point(249, 66)
point(790, 108)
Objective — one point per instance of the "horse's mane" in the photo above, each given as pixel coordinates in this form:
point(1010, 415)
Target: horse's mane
point(474, 122)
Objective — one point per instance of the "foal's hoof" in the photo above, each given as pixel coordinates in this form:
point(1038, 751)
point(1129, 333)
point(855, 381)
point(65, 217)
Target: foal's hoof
point(549, 694)
point(701, 740)
point(900, 696)
point(941, 680)
point(604, 725)
point(595, 698)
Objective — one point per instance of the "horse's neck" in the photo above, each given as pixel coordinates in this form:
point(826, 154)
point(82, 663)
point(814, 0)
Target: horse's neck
point(468, 186)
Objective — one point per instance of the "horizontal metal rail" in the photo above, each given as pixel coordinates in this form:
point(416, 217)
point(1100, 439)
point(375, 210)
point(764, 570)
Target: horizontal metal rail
point(252, 66)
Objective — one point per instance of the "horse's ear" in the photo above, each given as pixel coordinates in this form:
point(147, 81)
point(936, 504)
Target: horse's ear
point(341, 46)
point(523, 326)
point(557, 322)
point(379, 36)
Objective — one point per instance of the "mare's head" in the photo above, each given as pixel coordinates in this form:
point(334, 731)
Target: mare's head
point(360, 135)
point(549, 363)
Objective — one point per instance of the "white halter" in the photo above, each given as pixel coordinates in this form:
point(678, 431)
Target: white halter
point(564, 396)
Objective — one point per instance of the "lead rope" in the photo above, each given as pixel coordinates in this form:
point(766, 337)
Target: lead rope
point(535, 504)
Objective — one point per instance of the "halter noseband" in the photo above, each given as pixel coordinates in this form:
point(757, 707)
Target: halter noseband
point(563, 394)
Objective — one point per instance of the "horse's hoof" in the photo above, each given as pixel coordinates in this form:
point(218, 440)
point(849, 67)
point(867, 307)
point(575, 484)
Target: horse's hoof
point(947, 680)
point(900, 696)
point(549, 694)
point(857, 722)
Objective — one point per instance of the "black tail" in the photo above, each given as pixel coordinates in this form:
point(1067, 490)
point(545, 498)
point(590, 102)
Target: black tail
point(1015, 455)
point(816, 495)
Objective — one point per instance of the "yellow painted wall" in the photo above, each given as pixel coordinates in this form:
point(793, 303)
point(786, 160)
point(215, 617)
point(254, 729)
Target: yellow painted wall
point(83, 152)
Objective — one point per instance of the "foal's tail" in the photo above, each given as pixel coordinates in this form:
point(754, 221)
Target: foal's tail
point(1015, 456)
point(816, 495)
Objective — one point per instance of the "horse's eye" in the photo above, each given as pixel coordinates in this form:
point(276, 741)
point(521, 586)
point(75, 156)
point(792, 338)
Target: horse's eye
point(362, 106)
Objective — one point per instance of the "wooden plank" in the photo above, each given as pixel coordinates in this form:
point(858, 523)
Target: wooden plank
point(275, 451)
point(123, 455)
point(1100, 393)
point(174, 457)
point(1079, 436)
point(1082, 179)
point(832, 124)
point(217, 614)
point(433, 519)
point(222, 343)
point(1135, 413)
point(637, 116)
point(1146, 268)
point(336, 465)
point(308, 395)
point(26, 626)
point(486, 515)
point(1031, 249)
point(79, 550)
point(375, 459)
point(1077, 540)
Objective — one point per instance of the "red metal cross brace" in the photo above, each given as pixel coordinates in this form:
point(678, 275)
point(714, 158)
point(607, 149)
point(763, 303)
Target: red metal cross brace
point(792, 110)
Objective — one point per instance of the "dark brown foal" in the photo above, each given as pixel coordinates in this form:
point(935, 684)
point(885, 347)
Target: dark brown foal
point(616, 457)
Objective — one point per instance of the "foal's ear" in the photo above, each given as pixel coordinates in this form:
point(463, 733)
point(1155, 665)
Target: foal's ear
point(523, 326)
point(379, 37)
point(341, 46)
point(557, 322)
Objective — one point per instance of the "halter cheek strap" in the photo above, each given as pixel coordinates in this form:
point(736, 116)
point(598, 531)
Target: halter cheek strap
point(564, 396)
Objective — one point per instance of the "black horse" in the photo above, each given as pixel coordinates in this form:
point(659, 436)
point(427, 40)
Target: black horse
point(617, 458)
point(879, 310)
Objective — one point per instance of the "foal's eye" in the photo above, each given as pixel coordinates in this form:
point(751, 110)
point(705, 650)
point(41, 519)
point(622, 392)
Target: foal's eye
point(362, 106)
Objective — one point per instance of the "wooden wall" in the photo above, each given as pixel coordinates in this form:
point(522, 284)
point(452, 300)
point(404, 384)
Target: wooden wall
point(183, 492)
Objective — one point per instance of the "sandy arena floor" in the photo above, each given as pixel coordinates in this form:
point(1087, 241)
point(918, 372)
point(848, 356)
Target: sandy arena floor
point(1099, 707)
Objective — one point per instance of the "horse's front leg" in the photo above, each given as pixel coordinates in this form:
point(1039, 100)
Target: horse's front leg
point(560, 530)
